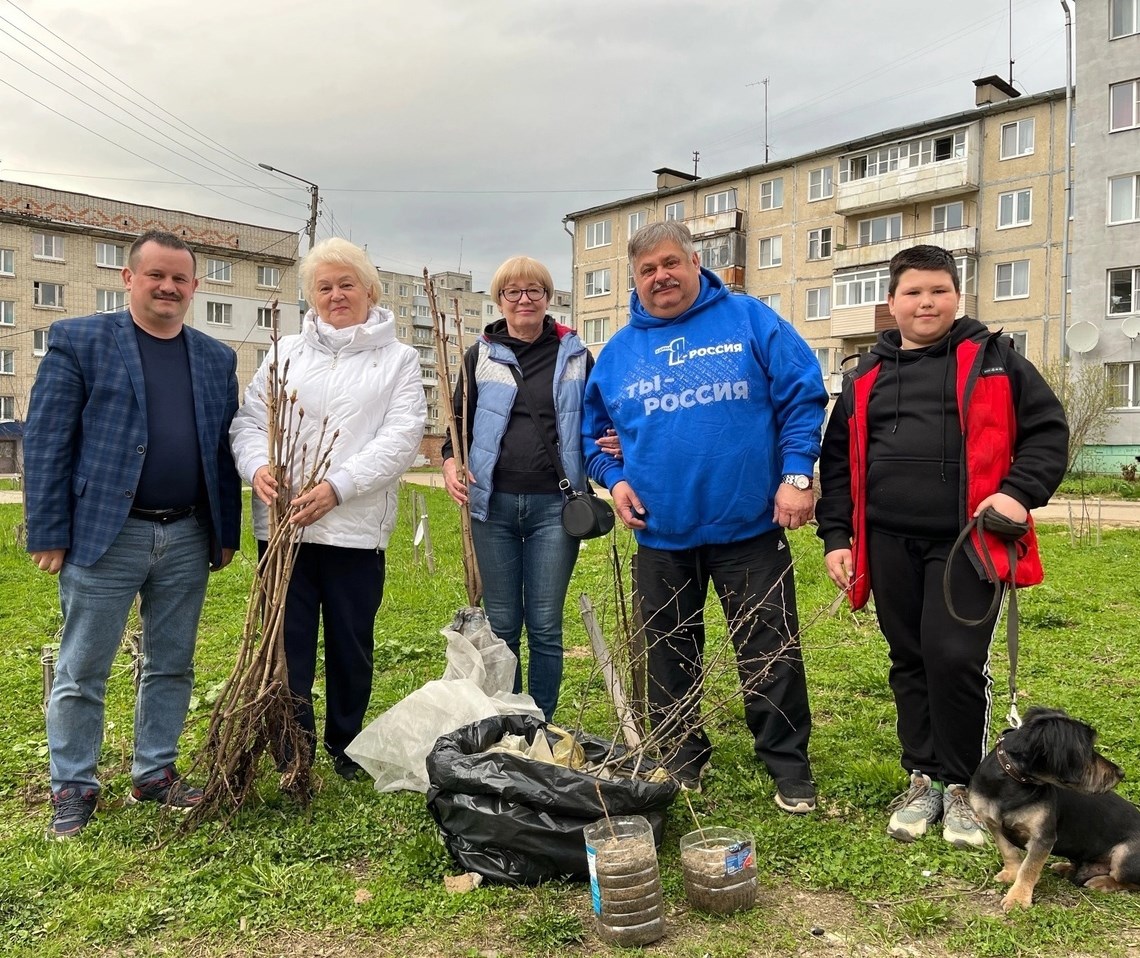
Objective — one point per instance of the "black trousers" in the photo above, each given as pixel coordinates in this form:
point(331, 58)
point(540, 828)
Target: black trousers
point(343, 589)
point(755, 584)
point(939, 668)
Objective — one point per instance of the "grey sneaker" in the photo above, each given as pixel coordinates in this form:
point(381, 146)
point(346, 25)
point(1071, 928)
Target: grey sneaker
point(960, 826)
point(915, 810)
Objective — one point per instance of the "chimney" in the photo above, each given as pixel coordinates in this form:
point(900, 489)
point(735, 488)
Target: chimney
point(667, 178)
point(990, 90)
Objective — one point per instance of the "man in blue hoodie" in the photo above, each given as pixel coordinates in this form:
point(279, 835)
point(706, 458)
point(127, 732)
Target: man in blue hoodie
point(718, 404)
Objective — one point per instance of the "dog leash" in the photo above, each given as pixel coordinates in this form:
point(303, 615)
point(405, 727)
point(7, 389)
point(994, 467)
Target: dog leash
point(1009, 531)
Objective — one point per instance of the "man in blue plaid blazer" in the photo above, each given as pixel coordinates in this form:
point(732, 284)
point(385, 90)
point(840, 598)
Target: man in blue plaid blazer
point(131, 490)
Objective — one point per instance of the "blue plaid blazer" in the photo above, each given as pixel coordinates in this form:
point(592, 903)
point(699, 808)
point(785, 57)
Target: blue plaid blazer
point(85, 437)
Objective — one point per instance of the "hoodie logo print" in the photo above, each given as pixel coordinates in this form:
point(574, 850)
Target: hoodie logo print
point(677, 352)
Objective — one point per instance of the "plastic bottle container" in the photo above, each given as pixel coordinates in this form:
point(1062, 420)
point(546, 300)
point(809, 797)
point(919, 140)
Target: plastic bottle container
point(719, 867)
point(629, 908)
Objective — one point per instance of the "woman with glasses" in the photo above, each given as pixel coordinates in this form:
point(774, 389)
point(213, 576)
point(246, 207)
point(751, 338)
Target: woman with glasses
point(524, 555)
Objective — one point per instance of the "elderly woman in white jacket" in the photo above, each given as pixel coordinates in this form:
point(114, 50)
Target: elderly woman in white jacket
point(346, 365)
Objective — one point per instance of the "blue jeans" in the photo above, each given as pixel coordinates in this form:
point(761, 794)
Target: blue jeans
point(167, 565)
point(525, 561)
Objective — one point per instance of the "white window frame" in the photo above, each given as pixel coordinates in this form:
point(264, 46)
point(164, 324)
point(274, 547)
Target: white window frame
point(110, 255)
point(967, 275)
point(597, 234)
point(264, 317)
point(47, 246)
point(402, 289)
point(946, 209)
point(675, 211)
point(823, 357)
point(893, 229)
point(598, 282)
point(1020, 341)
point(1015, 209)
point(819, 303)
point(117, 298)
point(7, 312)
point(595, 330)
point(7, 262)
point(1124, 97)
point(39, 300)
point(39, 341)
point(1017, 275)
point(772, 194)
point(772, 300)
point(1023, 133)
point(1123, 19)
point(637, 220)
point(7, 408)
point(1130, 384)
point(219, 314)
point(1128, 189)
point(860, 288)
point(821, 184)
point(720, 202)
point(1131, 276)
point(935, 148)
point(819, 243)
point(219, 271)
point(268, 277)
point(7, 362)
point(771, 252)
point(260, 355)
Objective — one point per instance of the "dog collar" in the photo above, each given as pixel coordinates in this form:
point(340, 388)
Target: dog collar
point(1007, 765)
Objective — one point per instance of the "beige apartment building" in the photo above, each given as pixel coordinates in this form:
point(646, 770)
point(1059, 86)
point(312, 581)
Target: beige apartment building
point(62, 253)
point(812, 235)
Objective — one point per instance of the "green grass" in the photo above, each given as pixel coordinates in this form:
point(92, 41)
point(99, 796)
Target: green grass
point(360, 873)
point(1077, 486)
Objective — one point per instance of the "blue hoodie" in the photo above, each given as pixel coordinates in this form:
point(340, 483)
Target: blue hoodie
point(712, 408)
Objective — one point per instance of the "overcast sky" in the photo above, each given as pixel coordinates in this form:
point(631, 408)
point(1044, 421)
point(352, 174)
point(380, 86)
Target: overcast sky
point(456, 133)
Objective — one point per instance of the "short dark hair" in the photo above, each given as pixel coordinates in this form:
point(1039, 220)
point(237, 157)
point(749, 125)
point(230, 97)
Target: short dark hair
point(162, 238)
point(932, 258)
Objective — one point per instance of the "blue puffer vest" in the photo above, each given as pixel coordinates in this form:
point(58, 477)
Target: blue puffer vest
point(497, 390)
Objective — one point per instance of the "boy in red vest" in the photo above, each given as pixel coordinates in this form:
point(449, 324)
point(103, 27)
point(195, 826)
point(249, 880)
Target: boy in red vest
point(941, 420)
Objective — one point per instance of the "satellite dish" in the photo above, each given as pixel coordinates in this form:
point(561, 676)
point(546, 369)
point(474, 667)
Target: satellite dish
point(1081, 337)
point(1131, 327)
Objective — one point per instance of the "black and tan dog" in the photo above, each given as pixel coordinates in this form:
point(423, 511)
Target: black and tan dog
point(1046, 789)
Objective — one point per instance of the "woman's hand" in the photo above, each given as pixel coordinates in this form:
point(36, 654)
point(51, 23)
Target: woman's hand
point(315, 504)
point(455, 488)
point(264, 485)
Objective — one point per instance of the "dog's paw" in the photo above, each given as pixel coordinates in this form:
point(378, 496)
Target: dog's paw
point(1008, 875)
point(1064, 869)
point(1106, 883)
point(1016, 898)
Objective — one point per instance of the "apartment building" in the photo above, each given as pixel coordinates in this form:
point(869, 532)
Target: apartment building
point(1105, 261)
point(62, 253)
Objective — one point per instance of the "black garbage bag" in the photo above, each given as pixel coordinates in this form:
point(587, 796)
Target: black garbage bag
point(515, 820)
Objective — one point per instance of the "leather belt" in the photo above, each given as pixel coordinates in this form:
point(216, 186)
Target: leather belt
point(162, 515)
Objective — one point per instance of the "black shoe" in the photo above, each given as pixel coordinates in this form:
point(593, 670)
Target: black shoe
point(347, 769)
point(71, 809)
point(795, 795)
point(688, 776)
point(168, 790)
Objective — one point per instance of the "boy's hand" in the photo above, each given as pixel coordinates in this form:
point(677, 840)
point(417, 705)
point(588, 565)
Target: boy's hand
point(1006, 505)
point(839, 567)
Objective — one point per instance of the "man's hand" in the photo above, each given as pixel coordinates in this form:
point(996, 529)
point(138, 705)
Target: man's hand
point(609, 443)
point(227, 558)
point(455, 487)
point(50, 560)
point(1006, 505)
point(264, 485)
point(839, 567)
point(315, 504)
point(794, 507)
point(627, 506)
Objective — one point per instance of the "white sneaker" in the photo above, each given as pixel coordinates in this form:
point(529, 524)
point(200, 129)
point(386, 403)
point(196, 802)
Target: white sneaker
point(960, 826)
point(915, 810)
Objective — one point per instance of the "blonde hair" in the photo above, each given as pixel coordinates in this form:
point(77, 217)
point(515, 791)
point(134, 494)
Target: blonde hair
point(338, 252)
point(521, 268)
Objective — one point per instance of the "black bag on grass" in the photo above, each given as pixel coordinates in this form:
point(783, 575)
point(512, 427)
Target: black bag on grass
point(515, 820)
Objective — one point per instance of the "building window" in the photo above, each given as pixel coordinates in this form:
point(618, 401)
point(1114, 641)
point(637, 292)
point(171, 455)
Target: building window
point(1011, 280)
point(47, 295)
point(8, 362)
point(597, 282)
point(1124, 384)
point(1124, 198)
point(1019, 341)
point(819, 303)
point(111, 255)
point(967, 275)
point(820, 186)
point(771, 300)
point(771, 251)
point(630, 276)
point(720, 202)
point(219, 271)
point(387, 288)
point(264, 317)
point(219, 314)
point(47, 246)
point(948, 217)
point(598, 234)
point(1125, 18)
point(637, 220)
point(110, 300)
point(1015, 209)
point(259, 356)
point(7, 312)
point(7, 408)
point(39, 342)
point(906, 155)
point(404, 311)
point(490, 309)
point(865, 286)
point(402, 289)
point(675, 211)
point(596, 330)
point(1124, 105)
point(269, 276)
point(1017, 138)
point(881, 229)
point(7, 262)
point(1124, 290)
point(823, 357)
point(717, 252)
point(772, 194)
point(819, 243)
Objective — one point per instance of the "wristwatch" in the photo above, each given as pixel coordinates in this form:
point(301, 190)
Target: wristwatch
point(799, 482)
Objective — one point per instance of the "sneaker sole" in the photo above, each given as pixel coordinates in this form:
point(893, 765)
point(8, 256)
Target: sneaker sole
point(801, 807)
point(131, 800)
point(901, 833)
point(965, 842)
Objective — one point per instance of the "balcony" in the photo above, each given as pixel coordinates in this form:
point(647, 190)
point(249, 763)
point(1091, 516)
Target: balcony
point(863, 320)
point(732, 277)
point(721, 222)
point(963, 241)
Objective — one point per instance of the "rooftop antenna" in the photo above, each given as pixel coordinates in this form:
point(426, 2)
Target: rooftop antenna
point(696, 160)
point(460, 269)
point(1011, 42)
point(764, 83)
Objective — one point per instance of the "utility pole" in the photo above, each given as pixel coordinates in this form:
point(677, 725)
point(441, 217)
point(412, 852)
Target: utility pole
point(314, 195)
point(696, 160)
point(764, 82)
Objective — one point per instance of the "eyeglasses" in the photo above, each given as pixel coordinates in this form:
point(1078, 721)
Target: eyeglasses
point(512, 294)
